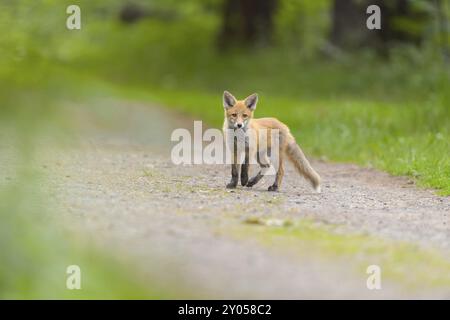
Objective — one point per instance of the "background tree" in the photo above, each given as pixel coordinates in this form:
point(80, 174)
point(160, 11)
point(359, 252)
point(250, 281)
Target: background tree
point(247, 22)
point(402, 21)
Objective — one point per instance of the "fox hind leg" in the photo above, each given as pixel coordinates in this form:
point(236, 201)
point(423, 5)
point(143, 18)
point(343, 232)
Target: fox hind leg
point(256, 178)
point(260, 174)
point(278, 177)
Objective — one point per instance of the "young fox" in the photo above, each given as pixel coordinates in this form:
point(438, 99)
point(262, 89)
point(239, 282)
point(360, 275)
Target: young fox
point(239, 116)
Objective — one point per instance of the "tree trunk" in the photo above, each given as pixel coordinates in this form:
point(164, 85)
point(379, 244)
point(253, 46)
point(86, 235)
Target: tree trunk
point(246, 23)
point(443, 29)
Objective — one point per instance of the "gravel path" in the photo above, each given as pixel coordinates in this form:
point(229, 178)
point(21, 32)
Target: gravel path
point(116, 183)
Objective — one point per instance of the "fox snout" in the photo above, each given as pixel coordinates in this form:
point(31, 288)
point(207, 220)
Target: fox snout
point(236, 122)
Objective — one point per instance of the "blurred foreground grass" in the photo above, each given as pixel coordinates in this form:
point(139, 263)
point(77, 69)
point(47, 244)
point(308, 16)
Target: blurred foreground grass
point(37, 248)
point(402, 263)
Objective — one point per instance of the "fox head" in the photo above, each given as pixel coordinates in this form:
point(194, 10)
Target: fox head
point(239, 112)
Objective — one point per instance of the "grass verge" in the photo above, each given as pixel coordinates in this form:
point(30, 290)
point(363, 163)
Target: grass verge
point(402, 263)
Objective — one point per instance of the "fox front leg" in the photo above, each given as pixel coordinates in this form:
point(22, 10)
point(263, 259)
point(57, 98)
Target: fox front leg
point(234, 176)
point(244, 166)
point(234, 167)
point(244, 174)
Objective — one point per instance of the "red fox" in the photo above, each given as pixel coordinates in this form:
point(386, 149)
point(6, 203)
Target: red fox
point(239, 116)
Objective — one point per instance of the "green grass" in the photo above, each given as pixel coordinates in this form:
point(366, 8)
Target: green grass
point(402, 138)
point(401, 263)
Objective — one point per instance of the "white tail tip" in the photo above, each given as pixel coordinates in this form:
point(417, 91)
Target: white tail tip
point(318, 189)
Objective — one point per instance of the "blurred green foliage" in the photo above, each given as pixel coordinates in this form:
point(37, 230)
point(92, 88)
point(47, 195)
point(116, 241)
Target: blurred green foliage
point(391, 113)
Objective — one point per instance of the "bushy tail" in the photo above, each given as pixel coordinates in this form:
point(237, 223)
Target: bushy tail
point(298, 159)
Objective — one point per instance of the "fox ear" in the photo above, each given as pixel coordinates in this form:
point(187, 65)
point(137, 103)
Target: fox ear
point(228, 100)
point(251, 101)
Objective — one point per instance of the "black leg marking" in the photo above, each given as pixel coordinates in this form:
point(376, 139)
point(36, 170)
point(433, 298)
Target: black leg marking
point(279, 176)
point(244, 174)
point(234, 177)
point(259, 175)
point(255, 179)
point(234, 168)
point(245, 165)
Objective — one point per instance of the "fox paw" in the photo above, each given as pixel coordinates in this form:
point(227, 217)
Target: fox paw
point(244, 181)
point(231, 185)
point(273, 188)
point(250, 184)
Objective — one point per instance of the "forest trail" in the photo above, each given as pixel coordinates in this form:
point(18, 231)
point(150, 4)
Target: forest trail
point(115, 184)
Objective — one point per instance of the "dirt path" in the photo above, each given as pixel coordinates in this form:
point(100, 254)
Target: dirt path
point(118, 185)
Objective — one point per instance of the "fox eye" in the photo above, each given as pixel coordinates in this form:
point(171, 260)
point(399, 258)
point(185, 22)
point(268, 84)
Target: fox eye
point(234, 115)
point(245, 115)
